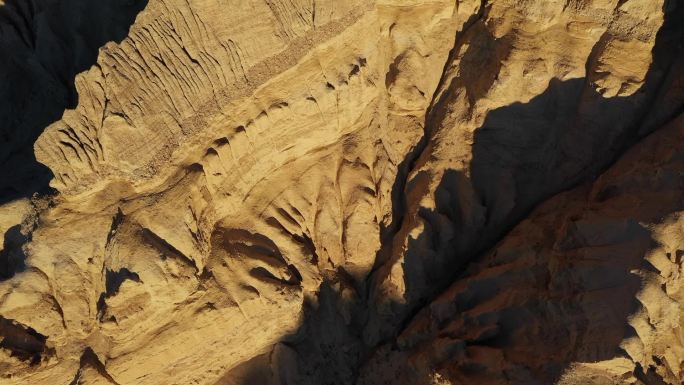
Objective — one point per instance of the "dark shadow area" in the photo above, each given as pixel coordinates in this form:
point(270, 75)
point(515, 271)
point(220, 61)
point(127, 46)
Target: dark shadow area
point(45, 44)
point(90, 360)
point(12, 255)
point(525, 153)
point(328, 347)
point(649, 377)
point(277, 366)
point(22, 342)
point(525, 311)
point(326, 350)
point(254, 371)
point(560, 287)
point(113, 281)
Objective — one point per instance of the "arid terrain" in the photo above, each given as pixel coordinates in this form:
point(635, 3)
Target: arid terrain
point(342, 192)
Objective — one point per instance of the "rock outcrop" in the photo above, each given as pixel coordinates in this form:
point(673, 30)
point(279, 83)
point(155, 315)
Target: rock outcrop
point(342, 192)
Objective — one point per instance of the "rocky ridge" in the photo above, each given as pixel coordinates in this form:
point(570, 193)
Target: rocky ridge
point(325, 192)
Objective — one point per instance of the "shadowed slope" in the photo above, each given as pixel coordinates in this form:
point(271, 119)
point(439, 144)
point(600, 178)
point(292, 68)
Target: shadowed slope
point(45, 43)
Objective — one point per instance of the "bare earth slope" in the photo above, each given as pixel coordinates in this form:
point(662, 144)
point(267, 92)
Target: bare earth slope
point(342, 192)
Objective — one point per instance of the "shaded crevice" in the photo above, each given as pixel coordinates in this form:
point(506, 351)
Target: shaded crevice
point(166, 249)
point(433, 115)
point(113, 281)
point(404, 169)
point(649, 376)
point(257, 247)
point(90, 360)
point(117, 220)
point(23, 342)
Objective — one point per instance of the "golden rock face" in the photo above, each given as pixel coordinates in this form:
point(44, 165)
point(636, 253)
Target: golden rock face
point(342, 192)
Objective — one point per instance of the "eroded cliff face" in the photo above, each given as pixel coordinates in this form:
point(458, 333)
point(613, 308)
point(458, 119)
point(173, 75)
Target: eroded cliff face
point(340, 192)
